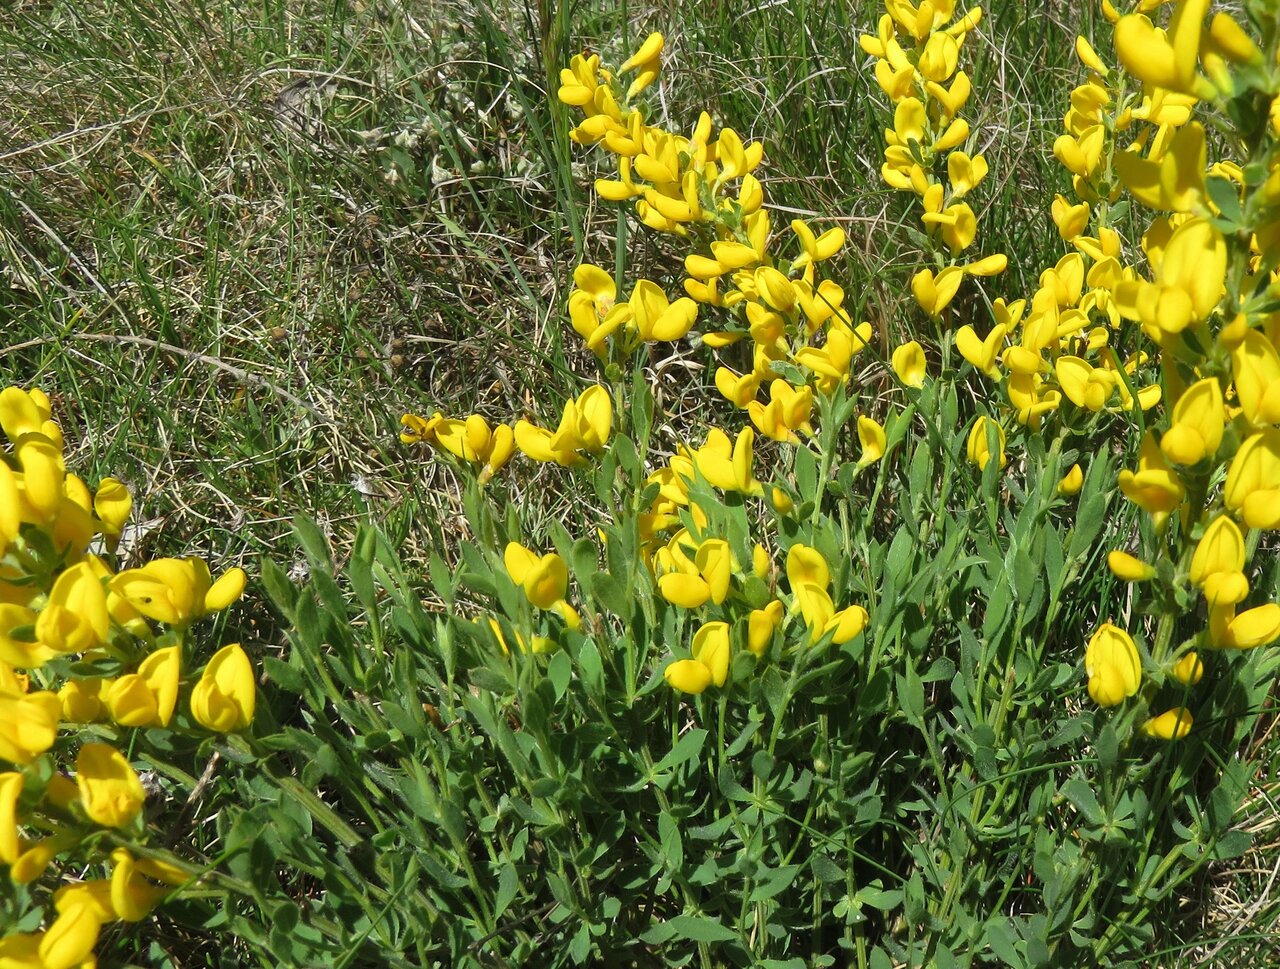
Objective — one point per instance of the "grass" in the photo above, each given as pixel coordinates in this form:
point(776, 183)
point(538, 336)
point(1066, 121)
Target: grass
point(238, 241)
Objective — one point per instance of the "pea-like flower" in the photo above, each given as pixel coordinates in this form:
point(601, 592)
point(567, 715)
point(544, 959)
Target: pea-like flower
point(544, 579)
point(147, 698)
point(1113, 666)
point(1171, 725)
point(709, 665)
point(223, 699)
point(871, 437)
point(909, 364)
point(584, 428)
point(1253, 480)
point(178, 591)
point(978, 447)
point(110, 791)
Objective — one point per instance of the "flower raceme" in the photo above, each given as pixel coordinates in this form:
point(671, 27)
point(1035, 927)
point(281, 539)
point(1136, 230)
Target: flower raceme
point(472, 439)
point(584, 428)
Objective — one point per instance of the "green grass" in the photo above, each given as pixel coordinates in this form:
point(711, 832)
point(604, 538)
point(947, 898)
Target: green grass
point(238, 241)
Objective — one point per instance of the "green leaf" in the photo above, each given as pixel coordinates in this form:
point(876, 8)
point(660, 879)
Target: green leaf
point(1081, 795)
point(1233, 844)
point(508, 883)
point(695, 928)
point(686, 748)
point(672, 845)
point(559, 673)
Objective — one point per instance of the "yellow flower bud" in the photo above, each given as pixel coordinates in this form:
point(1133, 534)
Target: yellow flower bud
point(10, 843)
point(1188, 670)
point(28, 724)
point(761, 625)
point(69, 941)
point(1129, 569)
point(147, 698)
point(687, 676)
point(1072, 481)
point(1171, 725)
point(711, 649)
point(1253, 480)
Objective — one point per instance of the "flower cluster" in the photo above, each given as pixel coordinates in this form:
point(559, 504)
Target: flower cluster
point(79, 644)
point(584, 429)
point(703, 189)
point(1208, 475)
point(917, 51)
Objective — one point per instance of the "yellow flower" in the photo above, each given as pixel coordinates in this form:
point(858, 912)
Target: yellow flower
point(1072, 481)
point(147, 698)
point(815, 248)
point(788, 410)
point(75, 618)
point(545, 579)
point(1217, 566)
point(872, 438)
point(1171, 725)
point(1198, 421)
point(69, 941)
point(711, 649)
point(821, 617)
point(10, 842)
point(728, 466)
point(761, 625)
point(132, 895)
point(806, 566)
point(687, 676)
point(983, 354)
point(223, 700)
point(909, 364)
point(1154, 487)
point(591, 307)
point(112, 504)
point(1173, 182)
point(1188, 670)
point(1251, 628)
point(1071, 220)
point(110, 791)
point(43, 475)
point(584, 427)
point(1255, 365)
point(934, 293)
point(20, 653)
point(28, 724)
point(82, 700)
point(978, 447)
point(1113, 666)
point(656, 319)
point(10, 506)
point(707, 577)
point(178, 591)
point(782, 502)
point(1168, 59)
point(23, 412)
point(1253, 480)
point(647, 62)
point(1124, 566)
